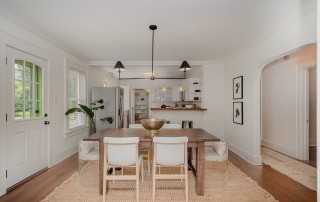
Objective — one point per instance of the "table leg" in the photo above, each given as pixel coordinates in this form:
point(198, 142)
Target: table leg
point(101, 157)
point(190, 166)
point(200, 169)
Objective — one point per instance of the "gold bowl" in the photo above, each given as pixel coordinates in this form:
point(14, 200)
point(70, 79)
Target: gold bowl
point(152, 125)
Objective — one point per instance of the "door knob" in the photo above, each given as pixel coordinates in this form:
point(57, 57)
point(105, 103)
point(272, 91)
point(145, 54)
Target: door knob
point(46, 122)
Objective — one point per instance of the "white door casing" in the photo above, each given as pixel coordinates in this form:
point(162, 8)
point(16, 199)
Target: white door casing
point(27, 136)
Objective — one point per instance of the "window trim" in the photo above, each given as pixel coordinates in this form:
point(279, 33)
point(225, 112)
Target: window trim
point(71, 65)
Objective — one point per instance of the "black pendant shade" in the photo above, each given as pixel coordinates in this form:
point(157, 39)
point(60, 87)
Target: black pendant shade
point(119, 67)
point(185, 66)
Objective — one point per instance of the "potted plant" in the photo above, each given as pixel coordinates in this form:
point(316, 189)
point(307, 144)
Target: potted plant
point(90, 113)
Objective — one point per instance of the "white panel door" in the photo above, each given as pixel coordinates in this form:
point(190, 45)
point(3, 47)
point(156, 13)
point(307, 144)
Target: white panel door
point(27, 118)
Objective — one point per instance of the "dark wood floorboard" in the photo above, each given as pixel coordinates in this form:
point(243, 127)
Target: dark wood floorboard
point(279, 185)
point(41, 185)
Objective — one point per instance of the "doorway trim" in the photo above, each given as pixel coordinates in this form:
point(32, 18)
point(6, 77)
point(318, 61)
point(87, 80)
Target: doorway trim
point(257, 123)
point(304, 152)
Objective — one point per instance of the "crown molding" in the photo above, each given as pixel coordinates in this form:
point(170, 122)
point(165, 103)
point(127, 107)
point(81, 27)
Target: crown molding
point(12, 18)
point(307, 9)
point(148, 63)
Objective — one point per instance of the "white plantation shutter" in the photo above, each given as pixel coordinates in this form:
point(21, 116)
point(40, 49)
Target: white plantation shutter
point(76, 94)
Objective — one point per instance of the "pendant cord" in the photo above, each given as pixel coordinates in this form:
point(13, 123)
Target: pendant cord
point(152, 77)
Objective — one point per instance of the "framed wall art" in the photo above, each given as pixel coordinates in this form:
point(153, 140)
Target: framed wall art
point(238, 88)
point(238, 113)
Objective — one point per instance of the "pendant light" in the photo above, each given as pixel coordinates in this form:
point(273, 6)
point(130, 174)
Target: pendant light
point(152, 27)
point(185, 67)
point(119, 68)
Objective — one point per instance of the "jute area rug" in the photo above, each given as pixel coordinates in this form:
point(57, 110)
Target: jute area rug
point(296, 170)
point(223, 182)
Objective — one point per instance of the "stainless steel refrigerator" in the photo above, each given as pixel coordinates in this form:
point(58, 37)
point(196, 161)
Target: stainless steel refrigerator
point(113, 106)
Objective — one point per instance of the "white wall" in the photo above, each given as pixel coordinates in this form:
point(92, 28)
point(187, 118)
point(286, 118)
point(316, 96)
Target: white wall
point(19, 36)
point(245, 139)
point(213, 98)
point(284, 107)
point(279, 107)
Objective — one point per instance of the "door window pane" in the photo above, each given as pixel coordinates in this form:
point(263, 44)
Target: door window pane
point(27, 90)
point(18, 110)
point(18, 90)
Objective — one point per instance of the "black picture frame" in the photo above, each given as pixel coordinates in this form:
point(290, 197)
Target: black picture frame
point(238, 88)
point(238, 113)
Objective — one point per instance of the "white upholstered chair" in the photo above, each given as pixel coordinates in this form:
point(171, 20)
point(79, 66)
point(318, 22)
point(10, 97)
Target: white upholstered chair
point(87, 151)
point(170, 152)
point(143, 149)
point(172, 126)
point(135, 125)
point(122, 152)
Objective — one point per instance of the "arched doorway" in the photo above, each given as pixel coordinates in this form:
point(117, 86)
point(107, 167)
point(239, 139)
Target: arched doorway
point(285, 118)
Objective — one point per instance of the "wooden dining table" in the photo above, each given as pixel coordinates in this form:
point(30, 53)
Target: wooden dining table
point(196, 140)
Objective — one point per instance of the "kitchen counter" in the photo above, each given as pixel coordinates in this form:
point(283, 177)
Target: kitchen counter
point(179, 109)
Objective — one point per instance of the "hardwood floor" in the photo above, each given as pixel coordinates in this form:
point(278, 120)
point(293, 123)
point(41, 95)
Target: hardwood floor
point(41, 185)
point(279, 185)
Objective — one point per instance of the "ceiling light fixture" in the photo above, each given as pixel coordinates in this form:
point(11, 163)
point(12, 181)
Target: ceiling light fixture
point(119, 68)
point(184, 66)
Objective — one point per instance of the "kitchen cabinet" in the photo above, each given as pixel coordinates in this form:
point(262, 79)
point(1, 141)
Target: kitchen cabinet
point(192, 89)
point(176, 94)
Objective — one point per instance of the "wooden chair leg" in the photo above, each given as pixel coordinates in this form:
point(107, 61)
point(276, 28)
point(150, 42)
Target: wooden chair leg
point(142, 171)
point(148, 153)
point(186, 184)
point(153, 183)
point(104, 187)
point(137, 179)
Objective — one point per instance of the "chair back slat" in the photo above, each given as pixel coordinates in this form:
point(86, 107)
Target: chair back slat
point(172, 125)
point(135, 126)
point(170, 150)
point(121, 151)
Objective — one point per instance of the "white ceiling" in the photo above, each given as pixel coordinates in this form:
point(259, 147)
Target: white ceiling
point(192, 30)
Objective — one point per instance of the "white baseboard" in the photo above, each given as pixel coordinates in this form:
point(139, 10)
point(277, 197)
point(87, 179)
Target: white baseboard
point(66, 153)
point(253, 159)
point(3, 189)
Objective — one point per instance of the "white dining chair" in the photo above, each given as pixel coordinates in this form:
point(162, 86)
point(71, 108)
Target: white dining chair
point(87, 151)
point(170, 152)
point(121, 152)
point(144, 150)
point(172, 126)
point(135, 125)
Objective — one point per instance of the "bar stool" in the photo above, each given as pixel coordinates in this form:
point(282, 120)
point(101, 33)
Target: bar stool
point(187, 122)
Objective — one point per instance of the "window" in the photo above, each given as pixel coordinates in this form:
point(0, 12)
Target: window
point(27, 90)
point(76, 94)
